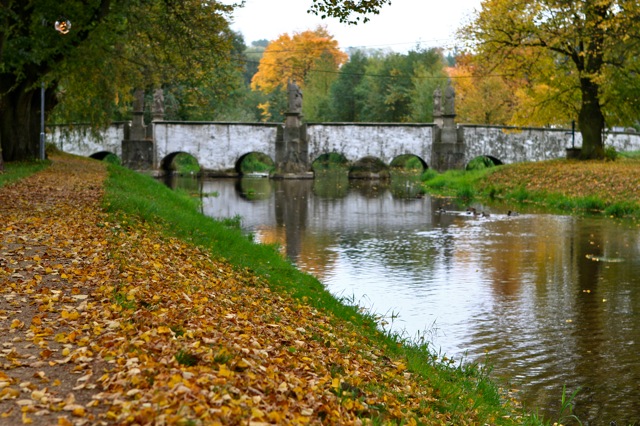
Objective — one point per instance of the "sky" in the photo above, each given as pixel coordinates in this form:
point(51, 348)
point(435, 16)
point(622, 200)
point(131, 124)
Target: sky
point(400, 26)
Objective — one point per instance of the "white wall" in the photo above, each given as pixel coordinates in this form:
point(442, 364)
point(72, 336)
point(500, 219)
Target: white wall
point(80, 140)
point(382, 140)
point(216, 146)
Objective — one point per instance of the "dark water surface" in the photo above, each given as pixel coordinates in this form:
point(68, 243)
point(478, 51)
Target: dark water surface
point(547, 300)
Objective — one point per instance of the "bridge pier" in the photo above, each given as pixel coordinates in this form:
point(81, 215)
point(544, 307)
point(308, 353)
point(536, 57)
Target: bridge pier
point(138, 151)
point(448, 148)
point(292, 142)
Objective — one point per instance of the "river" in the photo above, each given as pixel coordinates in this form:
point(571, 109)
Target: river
point(546, 300)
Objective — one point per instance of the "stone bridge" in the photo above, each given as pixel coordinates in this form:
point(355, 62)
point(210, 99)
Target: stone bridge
point(220, 147)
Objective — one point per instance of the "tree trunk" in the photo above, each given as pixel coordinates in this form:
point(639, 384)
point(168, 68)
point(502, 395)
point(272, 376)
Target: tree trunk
point(20, 124)
point(591, 121)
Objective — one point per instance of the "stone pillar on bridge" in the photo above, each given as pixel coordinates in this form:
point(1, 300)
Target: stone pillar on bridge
point(292, 144)
point(137, 147)
point(447, 150)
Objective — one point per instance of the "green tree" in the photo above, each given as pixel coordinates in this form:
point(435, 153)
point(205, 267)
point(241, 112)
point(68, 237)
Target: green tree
point(591, 44)
point(345, 102)
point(351, 12)
point(113, 47)
point(399, 87)
point(317, 94)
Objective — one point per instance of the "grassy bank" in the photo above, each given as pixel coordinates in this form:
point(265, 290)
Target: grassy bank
point(610, 188)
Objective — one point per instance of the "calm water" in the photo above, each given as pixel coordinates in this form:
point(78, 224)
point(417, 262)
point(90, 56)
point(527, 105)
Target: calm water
point(547, 300)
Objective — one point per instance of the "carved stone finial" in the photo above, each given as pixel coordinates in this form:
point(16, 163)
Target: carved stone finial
point(295, 97)
point(449, 100)
point(437, 102)
point(158, 104)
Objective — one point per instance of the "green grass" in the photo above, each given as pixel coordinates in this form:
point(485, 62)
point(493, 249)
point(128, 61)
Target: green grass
point(467, 185)
point(460, 183)
point(185, 164)
point(20, 170)
point(257, 162)
point(132, 195)
point(629, 154)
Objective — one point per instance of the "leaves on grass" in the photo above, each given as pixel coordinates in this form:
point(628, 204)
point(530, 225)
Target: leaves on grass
point(106, 323)
point(608, 181)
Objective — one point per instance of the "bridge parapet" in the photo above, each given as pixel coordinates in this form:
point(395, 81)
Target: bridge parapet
point(216, 145)
point(385, 141)
point(83, 140)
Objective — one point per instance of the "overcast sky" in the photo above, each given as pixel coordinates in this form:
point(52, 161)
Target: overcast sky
point(399, 26)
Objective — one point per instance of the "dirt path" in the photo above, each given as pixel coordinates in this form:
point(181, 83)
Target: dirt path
point(48, 238)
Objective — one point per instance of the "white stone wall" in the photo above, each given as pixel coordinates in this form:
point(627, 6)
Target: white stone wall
point(513, 145)
point(216, 146)
point(623, 141)
point(382, 140)
point(80, 140)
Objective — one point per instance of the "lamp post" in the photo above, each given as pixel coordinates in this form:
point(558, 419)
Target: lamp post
point(62, 25)
point(42, 121)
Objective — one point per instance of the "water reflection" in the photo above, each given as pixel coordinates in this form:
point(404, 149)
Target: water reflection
point(548, 300)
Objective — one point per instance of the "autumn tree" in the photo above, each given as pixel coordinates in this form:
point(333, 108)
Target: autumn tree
point(292, 58)
point(113, 46)
point(589, 43)
point(482, 96)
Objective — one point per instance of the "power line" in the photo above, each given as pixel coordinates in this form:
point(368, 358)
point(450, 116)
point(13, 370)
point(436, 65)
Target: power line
point(339, 72)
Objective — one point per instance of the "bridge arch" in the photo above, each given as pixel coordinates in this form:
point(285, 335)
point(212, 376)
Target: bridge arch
point(369, 167)
point(483, 161)
point(106, 156)
point(101, 155)
point(168, 162)
point(409, 162)
point(254, 162)
point(330, 160)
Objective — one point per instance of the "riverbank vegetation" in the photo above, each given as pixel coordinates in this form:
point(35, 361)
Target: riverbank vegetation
point(188, 321)
point(610, 188)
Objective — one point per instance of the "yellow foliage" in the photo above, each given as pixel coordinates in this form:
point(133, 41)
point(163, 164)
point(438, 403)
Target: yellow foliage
point(292, 57)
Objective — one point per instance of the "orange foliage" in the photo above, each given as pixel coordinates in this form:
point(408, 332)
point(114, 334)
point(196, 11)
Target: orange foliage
point(291, 58)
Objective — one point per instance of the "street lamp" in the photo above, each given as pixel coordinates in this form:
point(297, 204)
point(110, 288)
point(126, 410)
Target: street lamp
point(62, 25)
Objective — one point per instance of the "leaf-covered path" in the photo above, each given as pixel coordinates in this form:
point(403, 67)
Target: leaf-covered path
point(108, 323)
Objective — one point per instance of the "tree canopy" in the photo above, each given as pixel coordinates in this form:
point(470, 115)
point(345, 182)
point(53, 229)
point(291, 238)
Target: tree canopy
point(292, 58)
point(580, 53)
point(112, 47)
